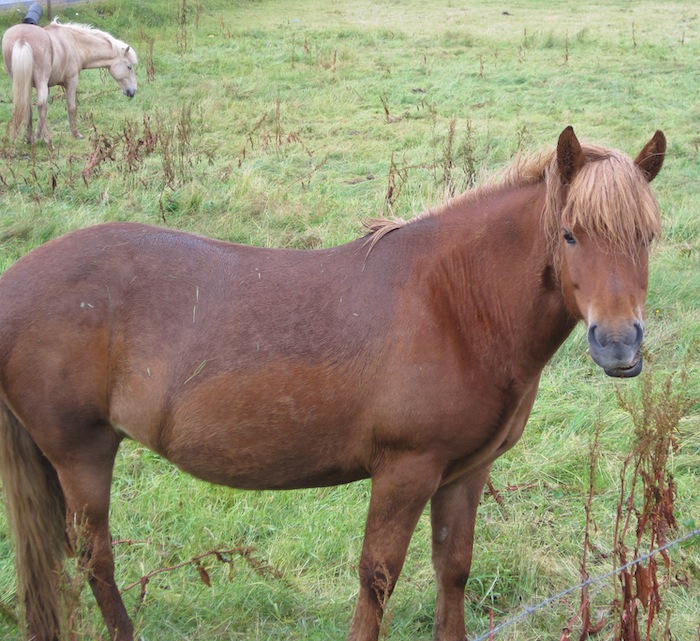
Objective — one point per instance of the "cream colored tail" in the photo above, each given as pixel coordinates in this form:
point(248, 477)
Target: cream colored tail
point(22, 68)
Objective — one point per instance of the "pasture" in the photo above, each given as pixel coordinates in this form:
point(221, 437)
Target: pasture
point(287, 125)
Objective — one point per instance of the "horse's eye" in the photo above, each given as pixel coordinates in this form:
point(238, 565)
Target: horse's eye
point(129, 67)
point(569, 237)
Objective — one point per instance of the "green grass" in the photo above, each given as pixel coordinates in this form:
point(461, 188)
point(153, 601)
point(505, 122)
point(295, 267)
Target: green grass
point(275, 123)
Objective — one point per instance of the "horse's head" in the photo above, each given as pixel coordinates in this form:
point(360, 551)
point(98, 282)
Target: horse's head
point(608, 219)
point(122, 70)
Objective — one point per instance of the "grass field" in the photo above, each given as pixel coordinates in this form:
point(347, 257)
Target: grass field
point(289, 123)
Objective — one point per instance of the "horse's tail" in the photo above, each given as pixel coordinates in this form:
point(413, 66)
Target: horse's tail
point(22, 69)
point(36, 515)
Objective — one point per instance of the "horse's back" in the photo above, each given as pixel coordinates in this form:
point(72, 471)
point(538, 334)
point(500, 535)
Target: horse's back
point(143, 279)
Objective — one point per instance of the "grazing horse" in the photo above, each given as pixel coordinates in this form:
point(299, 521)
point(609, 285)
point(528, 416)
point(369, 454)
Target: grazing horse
point(55, 55)
point(411, 356)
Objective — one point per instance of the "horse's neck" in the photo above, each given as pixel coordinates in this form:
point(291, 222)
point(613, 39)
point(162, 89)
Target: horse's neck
point(93, 49)
point(500, 273)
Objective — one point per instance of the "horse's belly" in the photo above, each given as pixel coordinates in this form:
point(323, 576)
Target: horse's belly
point(267, 450)
point(253, 431)
point(258, 461)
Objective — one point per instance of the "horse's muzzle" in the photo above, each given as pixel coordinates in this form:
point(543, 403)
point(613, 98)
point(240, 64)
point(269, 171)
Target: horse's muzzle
point(618, 353)
point(627, 372)
point(130, 92)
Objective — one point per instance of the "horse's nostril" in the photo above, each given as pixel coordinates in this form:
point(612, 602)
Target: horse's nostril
point(596, 337)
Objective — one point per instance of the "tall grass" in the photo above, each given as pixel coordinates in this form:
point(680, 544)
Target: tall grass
point(287, 124)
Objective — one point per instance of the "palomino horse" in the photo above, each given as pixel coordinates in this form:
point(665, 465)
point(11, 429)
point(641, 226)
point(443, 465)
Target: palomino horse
point(411, 356)
point(55, 55)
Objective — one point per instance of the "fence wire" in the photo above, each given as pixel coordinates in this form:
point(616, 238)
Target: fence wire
point(532, 609)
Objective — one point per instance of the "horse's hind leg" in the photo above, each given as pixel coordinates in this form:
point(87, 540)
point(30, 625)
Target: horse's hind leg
point(42, 106)
point(30, 132)
point(30, 127)
point(453, 515)
point(85, 474)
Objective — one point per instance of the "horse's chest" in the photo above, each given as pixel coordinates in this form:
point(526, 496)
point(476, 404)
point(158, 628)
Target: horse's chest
point(488, 428)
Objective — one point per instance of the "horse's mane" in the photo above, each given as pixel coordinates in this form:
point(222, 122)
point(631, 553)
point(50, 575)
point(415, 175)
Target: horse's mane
point(609, 198)
point(117, 45)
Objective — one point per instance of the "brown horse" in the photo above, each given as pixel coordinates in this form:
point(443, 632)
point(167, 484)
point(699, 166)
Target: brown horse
point(55, 55)
point(411, 356)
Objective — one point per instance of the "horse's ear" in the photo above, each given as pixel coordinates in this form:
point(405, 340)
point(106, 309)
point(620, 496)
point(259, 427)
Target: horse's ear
point(570, 157)
point(652, 156)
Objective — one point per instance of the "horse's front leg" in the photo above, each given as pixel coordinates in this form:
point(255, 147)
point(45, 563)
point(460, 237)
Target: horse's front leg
point(72, 105)
point(399, 493)
point(453, 515)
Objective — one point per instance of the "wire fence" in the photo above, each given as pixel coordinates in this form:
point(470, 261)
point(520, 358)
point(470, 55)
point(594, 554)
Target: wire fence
point(487, 636)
